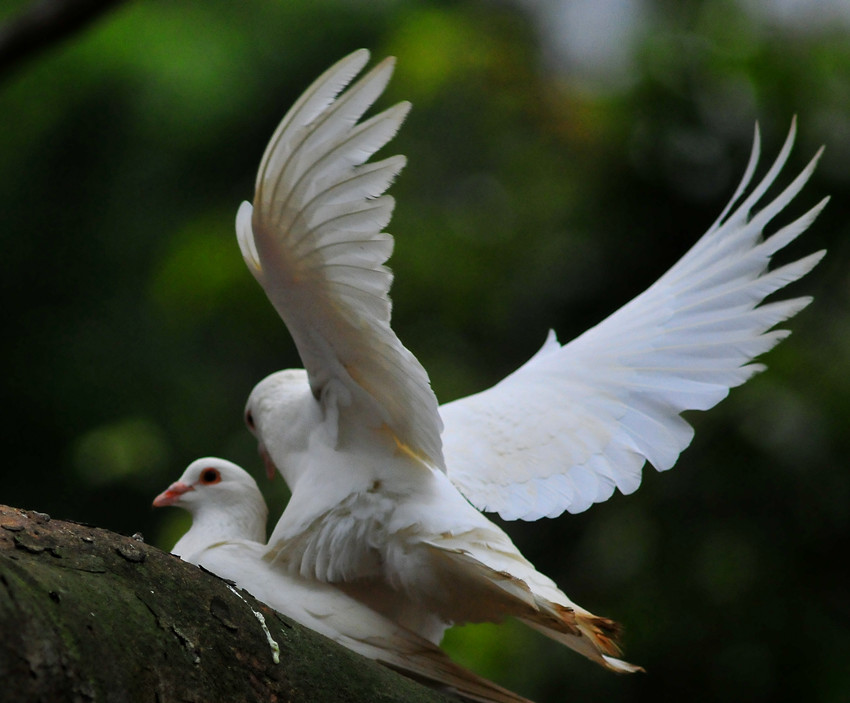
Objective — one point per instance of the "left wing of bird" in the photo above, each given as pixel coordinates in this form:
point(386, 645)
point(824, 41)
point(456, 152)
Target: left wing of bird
point(579, 420)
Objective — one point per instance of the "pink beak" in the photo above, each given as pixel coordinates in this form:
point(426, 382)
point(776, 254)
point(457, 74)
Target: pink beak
point(271, 469)
point(171, 494)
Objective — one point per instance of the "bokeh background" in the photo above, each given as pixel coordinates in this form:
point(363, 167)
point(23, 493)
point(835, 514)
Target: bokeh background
point(561, 156)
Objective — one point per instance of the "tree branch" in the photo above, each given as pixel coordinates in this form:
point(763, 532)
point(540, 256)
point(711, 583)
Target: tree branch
point(44, 23)
point(90, 615)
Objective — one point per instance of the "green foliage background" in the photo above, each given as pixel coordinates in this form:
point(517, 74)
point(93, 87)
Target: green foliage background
point(538, 194)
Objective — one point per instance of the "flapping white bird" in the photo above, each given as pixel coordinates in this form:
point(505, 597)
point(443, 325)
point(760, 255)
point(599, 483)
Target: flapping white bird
point(227, 537)
point(382, 504)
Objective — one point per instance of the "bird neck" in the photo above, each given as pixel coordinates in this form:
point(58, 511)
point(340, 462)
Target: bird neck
point(212, 524)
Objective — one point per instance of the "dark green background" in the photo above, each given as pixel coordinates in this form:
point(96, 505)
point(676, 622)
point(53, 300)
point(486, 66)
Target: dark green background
point(538, 193)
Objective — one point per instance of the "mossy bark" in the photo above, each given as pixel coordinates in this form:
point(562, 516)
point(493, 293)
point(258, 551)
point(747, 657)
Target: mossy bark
point(89, 615)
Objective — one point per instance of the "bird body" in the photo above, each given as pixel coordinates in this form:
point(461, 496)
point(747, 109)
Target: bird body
point(228, 513)
point(386, 484)
point(398, 535)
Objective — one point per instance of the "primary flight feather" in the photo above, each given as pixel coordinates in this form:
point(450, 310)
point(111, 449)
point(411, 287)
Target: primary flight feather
point(382, 504)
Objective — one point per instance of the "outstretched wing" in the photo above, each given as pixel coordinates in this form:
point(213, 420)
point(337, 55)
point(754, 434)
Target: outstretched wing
point(313, 240)
point(579, 420)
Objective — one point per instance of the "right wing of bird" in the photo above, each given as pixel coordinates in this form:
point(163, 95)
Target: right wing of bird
point(313, 239)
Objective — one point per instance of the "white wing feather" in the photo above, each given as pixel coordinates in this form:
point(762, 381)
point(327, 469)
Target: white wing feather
point(579, 420)
point(313, 240)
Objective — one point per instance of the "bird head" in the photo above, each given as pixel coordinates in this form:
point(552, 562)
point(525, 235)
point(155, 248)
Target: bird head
point(210, 481)
point(224, 502)
point(271, 413)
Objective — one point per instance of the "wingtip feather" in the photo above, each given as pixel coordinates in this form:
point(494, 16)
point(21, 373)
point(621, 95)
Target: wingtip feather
point(245, 238)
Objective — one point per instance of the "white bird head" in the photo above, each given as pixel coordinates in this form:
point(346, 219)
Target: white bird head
point(210, 481)
point(276, 412)
point(224, 502)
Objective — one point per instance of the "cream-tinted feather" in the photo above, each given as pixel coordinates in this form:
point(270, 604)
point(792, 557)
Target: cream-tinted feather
point(313, 239)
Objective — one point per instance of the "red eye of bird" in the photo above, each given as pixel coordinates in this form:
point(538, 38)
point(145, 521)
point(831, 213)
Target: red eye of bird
point(210, 476)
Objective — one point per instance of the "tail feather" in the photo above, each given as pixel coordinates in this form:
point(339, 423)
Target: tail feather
point(474, 592)
point(463, 589)
point(432, 666)
point(597, 638)
point(605, 632)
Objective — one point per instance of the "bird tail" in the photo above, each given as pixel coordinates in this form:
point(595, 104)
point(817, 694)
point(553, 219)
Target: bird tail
point(526, 594)
point(594, 637)
point(431, 666)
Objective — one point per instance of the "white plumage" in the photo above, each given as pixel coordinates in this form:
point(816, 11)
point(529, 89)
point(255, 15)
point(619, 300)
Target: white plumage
point(380, 501)
point(577, 421)
point(227, 537)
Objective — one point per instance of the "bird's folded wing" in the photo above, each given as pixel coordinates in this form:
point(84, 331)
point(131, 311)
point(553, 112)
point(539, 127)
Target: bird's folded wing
point(579, 420)
point(314, 241)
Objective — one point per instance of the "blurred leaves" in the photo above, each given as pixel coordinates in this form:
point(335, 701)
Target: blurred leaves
point(119, 452)
point(198, 271)
point(540, 192)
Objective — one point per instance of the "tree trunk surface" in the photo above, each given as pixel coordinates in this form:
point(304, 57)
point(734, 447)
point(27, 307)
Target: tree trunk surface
point(89, 615)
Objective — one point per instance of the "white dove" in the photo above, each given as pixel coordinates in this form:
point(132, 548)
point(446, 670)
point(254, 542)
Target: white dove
point(227, 537)
point(381, 505)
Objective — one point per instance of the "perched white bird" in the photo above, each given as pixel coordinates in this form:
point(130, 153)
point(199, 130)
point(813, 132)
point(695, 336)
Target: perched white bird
point(227, 537)
point(382, 505)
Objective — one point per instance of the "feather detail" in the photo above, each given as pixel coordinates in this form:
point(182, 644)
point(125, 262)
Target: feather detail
point(579, 420)
point(314, 240)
